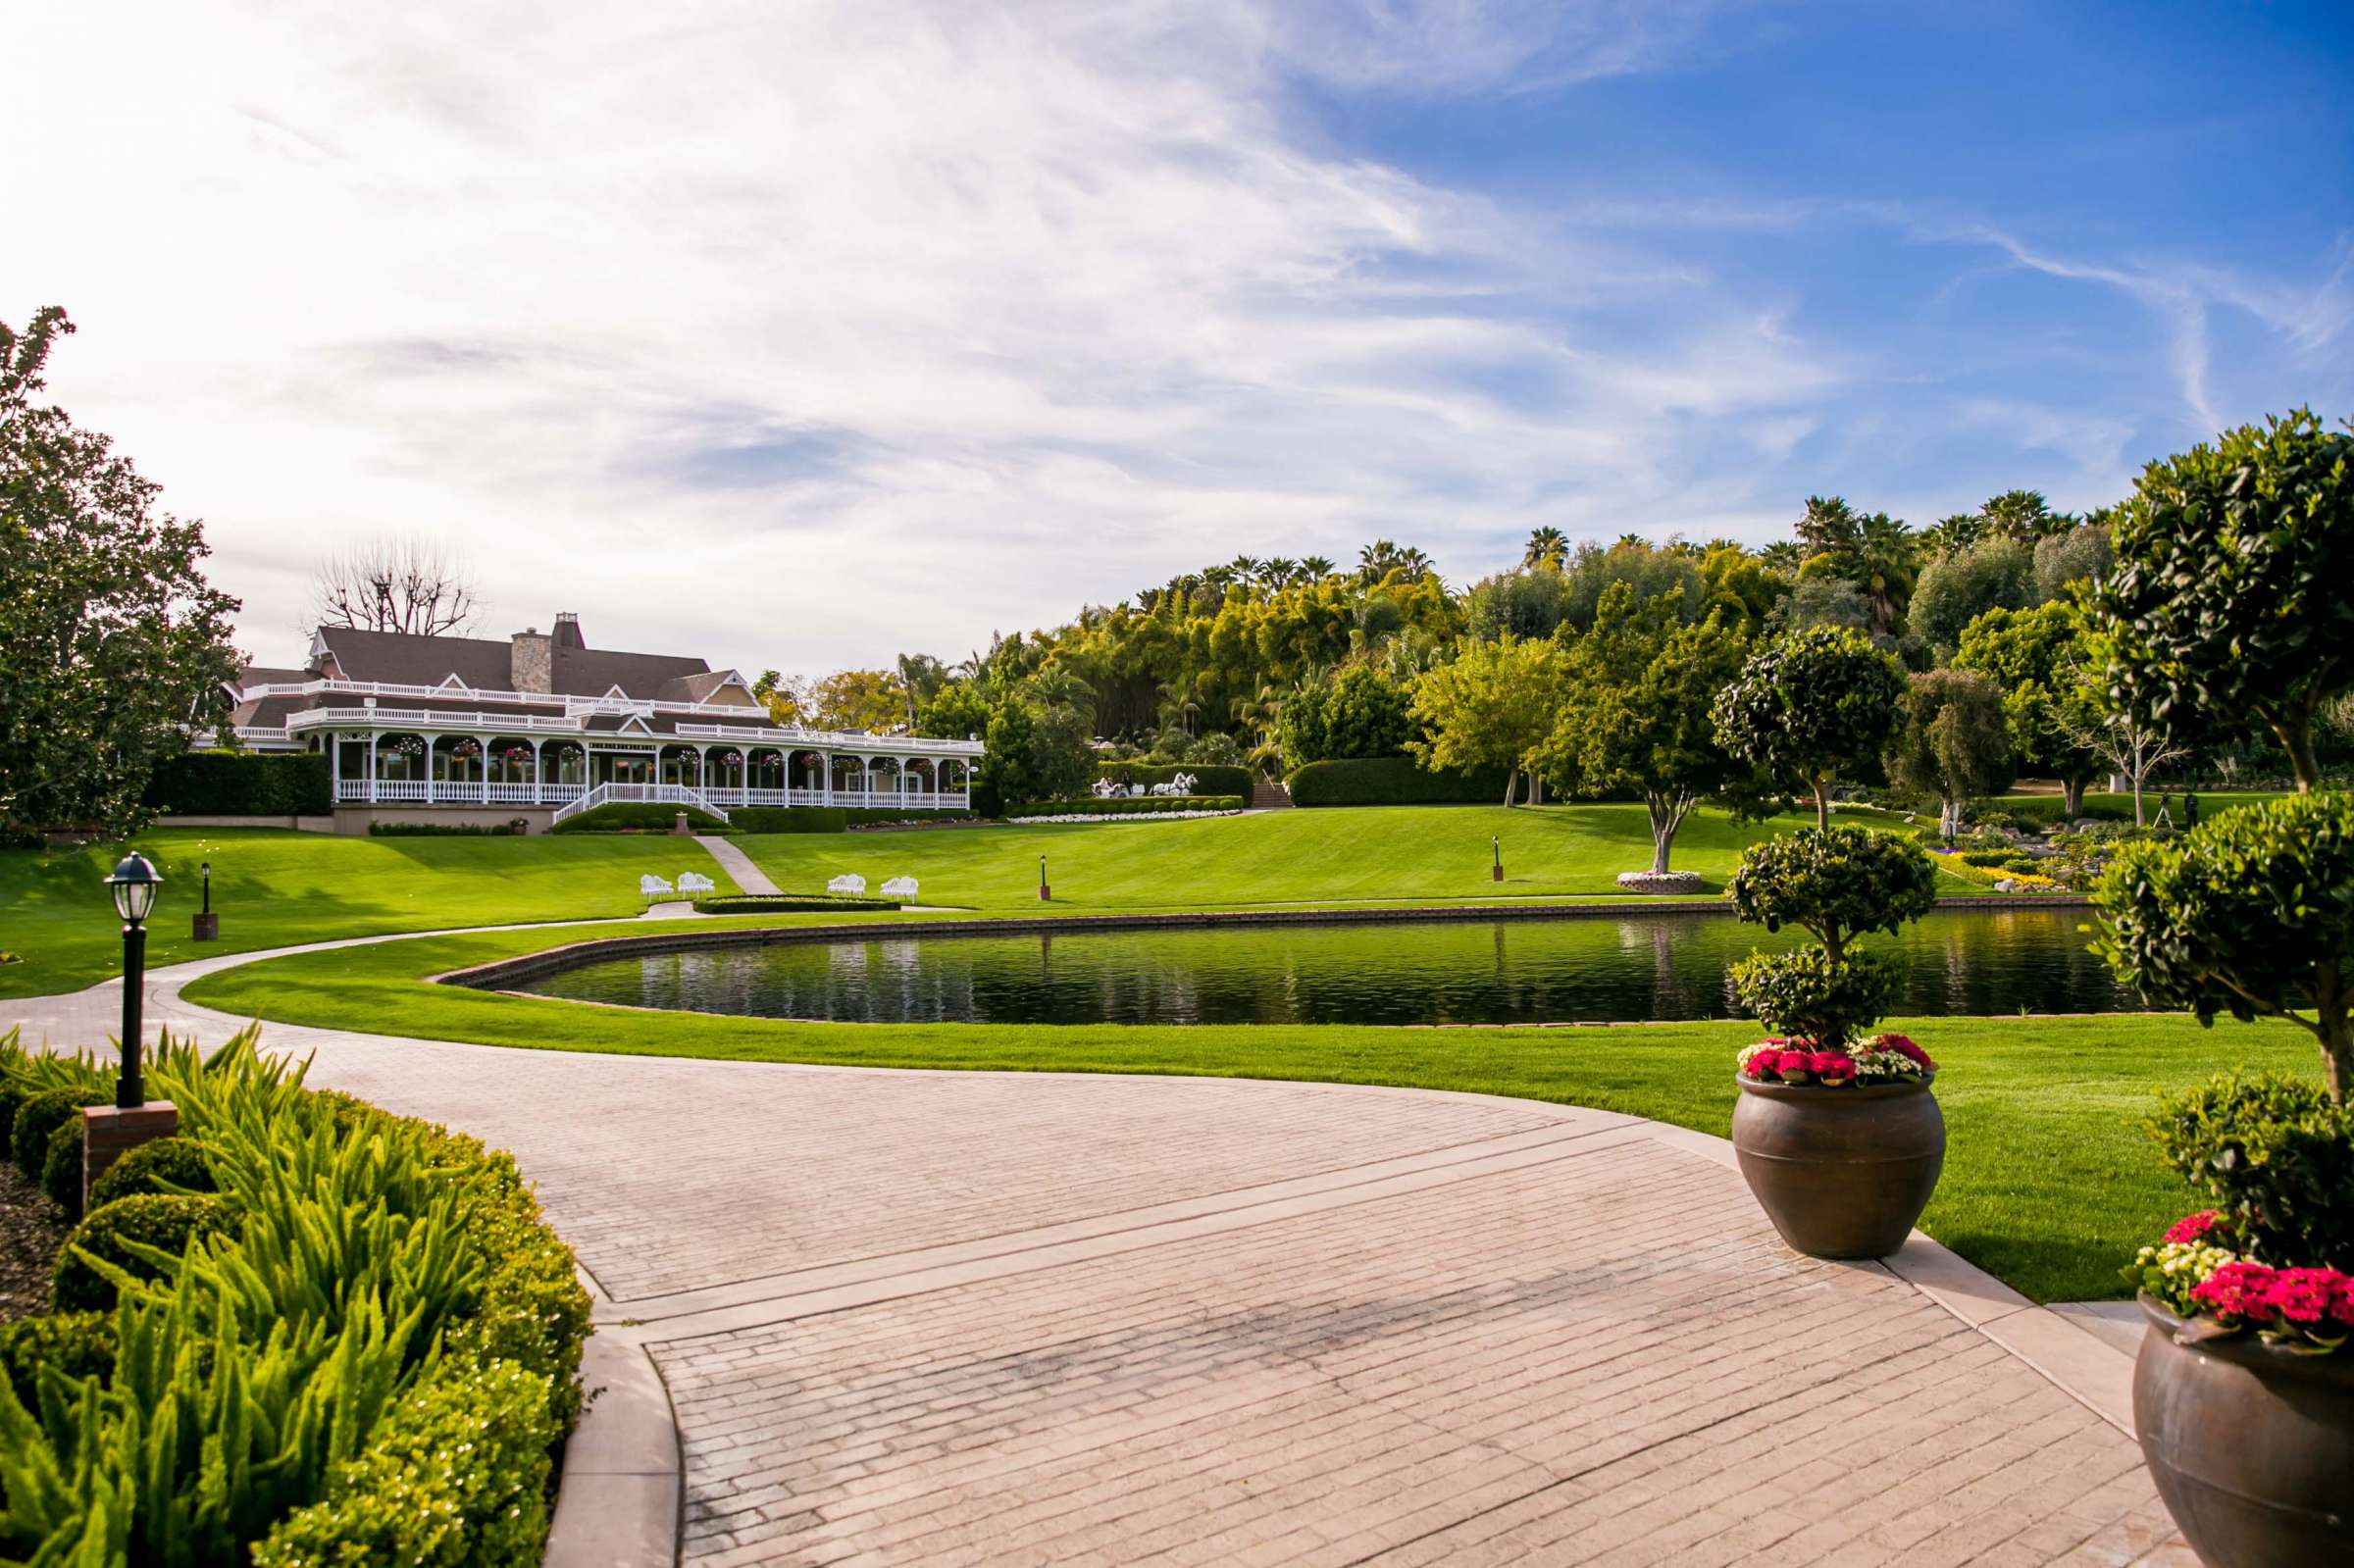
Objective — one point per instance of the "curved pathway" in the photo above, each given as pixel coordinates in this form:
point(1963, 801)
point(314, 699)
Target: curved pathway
point(1033, 1318)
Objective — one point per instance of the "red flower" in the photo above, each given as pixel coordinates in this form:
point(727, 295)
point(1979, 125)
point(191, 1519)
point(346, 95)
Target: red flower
point(2237, 1293)
point(2302, 1295)
point(1904, 1047)
point(2341, 1300)
point(1832, 1067)
point(2191, 1227)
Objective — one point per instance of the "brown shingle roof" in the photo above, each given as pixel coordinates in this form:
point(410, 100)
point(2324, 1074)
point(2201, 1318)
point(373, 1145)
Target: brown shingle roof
point(397, 659)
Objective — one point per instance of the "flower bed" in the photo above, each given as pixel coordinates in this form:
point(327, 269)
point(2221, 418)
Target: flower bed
point(2000, 877)
point(787, 903)
point(1659, 882)
point(2194, 1272)
point(1881, 1059)
point(363, 1347)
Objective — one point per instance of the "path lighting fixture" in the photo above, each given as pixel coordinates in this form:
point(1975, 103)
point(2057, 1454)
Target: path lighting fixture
point(1496, 872)
point(205, 926)
point(135, 882)
point(1044, 892)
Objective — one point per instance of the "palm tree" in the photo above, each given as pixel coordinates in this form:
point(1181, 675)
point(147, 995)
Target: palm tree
point(1546, 546)
point(1631, 542)
point(1828, 527)
point(1317, 566)
point(1782, 555)
point(1951, 535)
point(1245, 568)
point(2024, 515)
point(1280, 569)
point(1887, 560)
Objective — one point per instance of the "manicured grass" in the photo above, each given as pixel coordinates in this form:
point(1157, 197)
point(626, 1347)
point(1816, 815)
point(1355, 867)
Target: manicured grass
point(1408, 854)
point(274, 889)
point(2048, 1181)
point(2210, 801)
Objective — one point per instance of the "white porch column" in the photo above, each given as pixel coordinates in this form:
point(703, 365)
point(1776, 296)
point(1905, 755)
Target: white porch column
point(538, 783)
point(372, 769)
point(485, 742)
point(334, 769)
point(431, 742)
point(825, 775)
point(702, 767)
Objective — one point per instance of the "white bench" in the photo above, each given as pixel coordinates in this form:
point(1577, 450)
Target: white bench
point(651, 887)
point(899, 887)
point(849, 882)
point(694, 882)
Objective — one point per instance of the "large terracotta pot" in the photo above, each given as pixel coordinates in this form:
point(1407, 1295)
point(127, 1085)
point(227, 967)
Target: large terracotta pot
point(2252, 1448)
point(1843, 1172)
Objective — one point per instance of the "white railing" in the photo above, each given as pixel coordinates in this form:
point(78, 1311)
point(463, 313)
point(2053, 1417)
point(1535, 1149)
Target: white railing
point(657, 794)
point(439, 722)
point(788, 738)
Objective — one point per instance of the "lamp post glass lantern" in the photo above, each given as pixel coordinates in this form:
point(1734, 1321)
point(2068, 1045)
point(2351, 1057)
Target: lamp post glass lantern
point(134, 881)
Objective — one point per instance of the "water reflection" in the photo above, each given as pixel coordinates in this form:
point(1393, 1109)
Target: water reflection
point(1659, 967)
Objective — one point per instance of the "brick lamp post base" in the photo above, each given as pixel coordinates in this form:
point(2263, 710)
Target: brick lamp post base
point(109, 1131)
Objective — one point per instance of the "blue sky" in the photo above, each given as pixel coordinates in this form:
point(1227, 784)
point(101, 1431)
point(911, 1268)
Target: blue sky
point(804, 334)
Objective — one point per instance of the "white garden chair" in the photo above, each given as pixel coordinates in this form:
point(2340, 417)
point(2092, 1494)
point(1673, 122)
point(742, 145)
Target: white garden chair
point(652, 886)
point(899, 887)
point(849, 882)
point(694, 882)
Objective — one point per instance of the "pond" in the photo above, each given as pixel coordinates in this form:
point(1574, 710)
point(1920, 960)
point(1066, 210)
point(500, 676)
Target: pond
point(1430, 972)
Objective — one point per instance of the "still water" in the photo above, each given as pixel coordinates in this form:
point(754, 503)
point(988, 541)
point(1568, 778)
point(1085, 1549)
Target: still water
point(1648, 967)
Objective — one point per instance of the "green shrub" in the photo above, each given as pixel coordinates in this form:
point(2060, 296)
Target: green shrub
point(786, 903)
point(78, 1344)
point(38, 1119)
point(2274, 1156)
point(1984, 858)
point(157, 1220)
point(789, 819)
point(1390, 781)
point(1837, 883)
point(1210, 779)
point(1124, 806)
point(168, 1165)
point(1807, 994)
point(448, 829)
point(2251, 913)
point(61, 1167)
point(241, 784)
point(455, 1476)
point(886, 816)
point(637, 816)
point(2041, 811)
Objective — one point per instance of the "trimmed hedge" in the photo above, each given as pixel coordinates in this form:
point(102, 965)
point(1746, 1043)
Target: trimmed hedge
point(372, 1358)
point(447, 830)
point(78, 1344)
point(623, 816)
point(242, 784)
point(2044, 810)
point(164, 1165)
point(879, 815)
point(149, 1219)
point(1390, 781)
point(40, 1116)
point(790, 819)
point(1125, 806)
point(1207, 780)
point(786, 903)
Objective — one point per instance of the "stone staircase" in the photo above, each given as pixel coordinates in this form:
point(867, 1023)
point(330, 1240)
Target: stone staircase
point(1268, 795)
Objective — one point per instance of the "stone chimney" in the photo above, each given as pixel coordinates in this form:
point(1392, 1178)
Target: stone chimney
point(568, 630)
point(531, 663)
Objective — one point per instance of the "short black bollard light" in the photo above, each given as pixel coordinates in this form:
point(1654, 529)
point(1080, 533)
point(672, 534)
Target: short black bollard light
point(1496, 872)
point(206, 924)
point(1045, 892)
point(135, 882)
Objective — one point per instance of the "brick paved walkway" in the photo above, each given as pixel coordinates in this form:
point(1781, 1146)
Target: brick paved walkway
point(972, 1318)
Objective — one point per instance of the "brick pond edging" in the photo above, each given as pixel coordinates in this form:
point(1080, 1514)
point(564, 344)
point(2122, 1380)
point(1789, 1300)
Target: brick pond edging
point(501, 974)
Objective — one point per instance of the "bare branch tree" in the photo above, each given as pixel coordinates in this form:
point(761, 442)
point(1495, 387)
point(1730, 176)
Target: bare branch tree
point(409, 584)
point(2124, 742)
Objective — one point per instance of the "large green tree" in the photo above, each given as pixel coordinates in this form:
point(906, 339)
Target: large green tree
point(1809, 706)
point(113, 647)
point(2230, 608)
point(1635, 713)
point(1954, 743)
point(1491, 707)
point(1996, 572)
point(2039, 659)
point(1359, 714)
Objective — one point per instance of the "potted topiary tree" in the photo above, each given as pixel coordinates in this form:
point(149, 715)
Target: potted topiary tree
point(2243, 1392)
point(1837, 1133)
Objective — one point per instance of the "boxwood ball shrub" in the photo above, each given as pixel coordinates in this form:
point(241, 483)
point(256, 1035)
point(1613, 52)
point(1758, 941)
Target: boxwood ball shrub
point(1837, 884)
point(61, 1167)
point(2251, 913)
point(163, 1165)
point(76, 1345)
point(151, 1219)
point(40, 1116)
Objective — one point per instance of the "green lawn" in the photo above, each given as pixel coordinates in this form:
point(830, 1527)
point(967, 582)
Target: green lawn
point(273, 889)
point(2047, 1183)
point(1406, 854)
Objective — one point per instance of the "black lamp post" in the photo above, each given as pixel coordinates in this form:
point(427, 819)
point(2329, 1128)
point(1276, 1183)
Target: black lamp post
point(1496, 845)
point(206, 925)
point(135, 882)
point(1045, 894)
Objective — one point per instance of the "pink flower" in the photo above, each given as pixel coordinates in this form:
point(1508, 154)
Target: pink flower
point(1904, 1047)
point(1832, 1067)
point(2237, 1293)
point(2302, 1295)
point(2191, 1227)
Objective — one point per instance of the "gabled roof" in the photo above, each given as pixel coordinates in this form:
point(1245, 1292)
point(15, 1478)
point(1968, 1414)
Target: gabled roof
point(397, 659)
